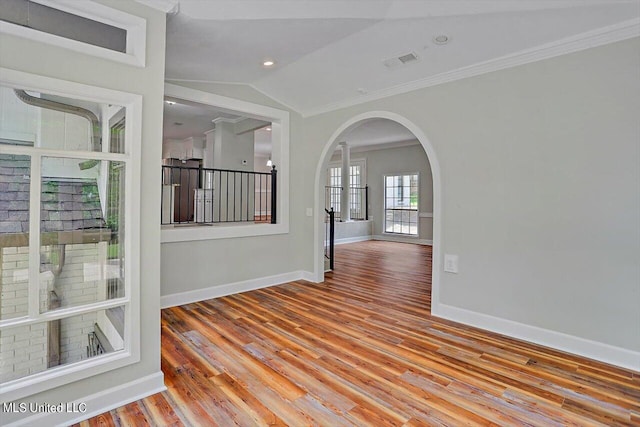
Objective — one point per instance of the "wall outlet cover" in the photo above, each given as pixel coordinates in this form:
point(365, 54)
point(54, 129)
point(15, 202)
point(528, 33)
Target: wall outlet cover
point(450, 263)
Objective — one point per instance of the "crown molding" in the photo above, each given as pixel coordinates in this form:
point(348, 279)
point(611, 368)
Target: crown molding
point(384, 146)
point(166, 6)
point(250, 85)
point(599, 37)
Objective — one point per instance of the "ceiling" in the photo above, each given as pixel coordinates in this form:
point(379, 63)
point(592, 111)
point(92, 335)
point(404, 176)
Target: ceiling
point(377, 132)
point(185, 119)
point(331, 53)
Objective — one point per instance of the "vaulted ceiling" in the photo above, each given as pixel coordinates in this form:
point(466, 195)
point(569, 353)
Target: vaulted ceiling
point(332, 53)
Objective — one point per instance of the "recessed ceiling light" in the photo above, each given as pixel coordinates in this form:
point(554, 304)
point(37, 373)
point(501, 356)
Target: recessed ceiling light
point(268, 63)
point(268, 128)
point(170, 102)
point(441, 39)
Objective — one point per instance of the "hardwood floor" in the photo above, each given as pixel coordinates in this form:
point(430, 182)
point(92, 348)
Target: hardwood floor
point(362, 349)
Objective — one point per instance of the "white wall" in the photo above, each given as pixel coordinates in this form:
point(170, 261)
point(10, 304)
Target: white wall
point(540, 190)
point(37, 58)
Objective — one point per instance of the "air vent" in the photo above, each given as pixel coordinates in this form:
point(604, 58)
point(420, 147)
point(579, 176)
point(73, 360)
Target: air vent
point(407, 58)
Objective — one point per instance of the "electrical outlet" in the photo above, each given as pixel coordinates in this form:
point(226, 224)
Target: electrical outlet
point(450, 263)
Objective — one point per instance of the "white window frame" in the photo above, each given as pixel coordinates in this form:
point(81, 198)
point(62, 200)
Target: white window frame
point(279, 155)
point(135, 27)
point(55, 377)
point(384, 205)
point(354, 162)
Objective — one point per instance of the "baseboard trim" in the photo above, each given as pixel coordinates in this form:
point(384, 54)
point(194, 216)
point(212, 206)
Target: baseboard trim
point(401, 239)
point(352, 240)
point(188, 297)
point(99, 402)
point(309, 276)
point(560, 341)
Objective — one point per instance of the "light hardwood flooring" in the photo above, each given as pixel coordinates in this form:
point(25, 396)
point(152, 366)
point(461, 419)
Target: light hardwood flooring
point(362, 349)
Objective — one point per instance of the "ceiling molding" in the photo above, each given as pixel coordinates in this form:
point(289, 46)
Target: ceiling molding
point(383, 146)
point(167, 6)
point(227, 120)
point(252, 86)
point(602, 36)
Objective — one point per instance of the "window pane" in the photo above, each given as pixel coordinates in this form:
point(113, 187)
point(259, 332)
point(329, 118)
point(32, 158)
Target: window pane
point(81, 257)
point(59, 123)
point(14, 235)
point(34, 348)
point(401, 204)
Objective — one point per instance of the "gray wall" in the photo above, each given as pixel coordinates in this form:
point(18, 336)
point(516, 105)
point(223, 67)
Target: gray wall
point(33, 57)
point(540, 189)
point(211, 263)
point(540, 194)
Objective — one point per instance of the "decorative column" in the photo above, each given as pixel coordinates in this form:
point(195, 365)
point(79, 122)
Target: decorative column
point(345, 199)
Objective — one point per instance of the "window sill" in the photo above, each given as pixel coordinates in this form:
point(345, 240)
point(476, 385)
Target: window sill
point(173, 234)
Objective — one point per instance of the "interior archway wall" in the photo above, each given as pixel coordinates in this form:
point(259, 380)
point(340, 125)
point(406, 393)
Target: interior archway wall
point(320, 177)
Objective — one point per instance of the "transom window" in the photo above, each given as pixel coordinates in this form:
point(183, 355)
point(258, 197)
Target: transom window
point(401, 204)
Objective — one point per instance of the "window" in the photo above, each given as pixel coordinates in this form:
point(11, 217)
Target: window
point(68, 182)
point(401, 204)
point(357, 180)
point(84, 26)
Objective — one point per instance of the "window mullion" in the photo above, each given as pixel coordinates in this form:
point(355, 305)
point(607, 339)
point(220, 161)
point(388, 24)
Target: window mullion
point(34, 235)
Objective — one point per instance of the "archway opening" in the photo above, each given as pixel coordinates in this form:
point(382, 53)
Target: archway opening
point(403, 178)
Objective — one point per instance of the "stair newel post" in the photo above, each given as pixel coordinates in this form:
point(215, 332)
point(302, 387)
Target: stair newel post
point(274, 193)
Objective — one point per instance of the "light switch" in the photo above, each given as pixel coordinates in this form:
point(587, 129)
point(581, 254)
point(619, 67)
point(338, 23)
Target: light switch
point(450, 263)
point(309, 211)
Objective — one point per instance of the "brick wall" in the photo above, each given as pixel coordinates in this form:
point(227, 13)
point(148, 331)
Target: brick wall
point(24, 350)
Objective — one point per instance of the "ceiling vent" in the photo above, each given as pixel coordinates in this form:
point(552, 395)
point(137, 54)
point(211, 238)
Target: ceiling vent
point(401, 60)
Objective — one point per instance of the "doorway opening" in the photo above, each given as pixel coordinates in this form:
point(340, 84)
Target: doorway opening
point(403, 185)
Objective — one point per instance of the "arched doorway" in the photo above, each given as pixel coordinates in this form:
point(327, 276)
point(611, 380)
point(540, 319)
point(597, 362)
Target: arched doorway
point(320, 178)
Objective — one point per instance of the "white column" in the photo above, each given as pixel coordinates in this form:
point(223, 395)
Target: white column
point(345, 199)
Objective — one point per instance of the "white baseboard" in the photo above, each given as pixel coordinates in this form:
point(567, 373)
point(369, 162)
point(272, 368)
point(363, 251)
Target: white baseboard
point(591, 349)
point(402, 239)
point(309, 276)
point(98, 403)
point(188, 297)
point(352, 240)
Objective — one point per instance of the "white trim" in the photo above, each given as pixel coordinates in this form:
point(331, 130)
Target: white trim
point(188, 297)
point(280, 155)
point(166, 6)
point(384, 146)
point(352, 240)
point(319, 214)
point(601, 36)
point(72, 372)
point(402, 239)
point(100, 402)
point(219, 82)
point(173, 234)
point(308, 276)
point(618, 356)
point(135, 27)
